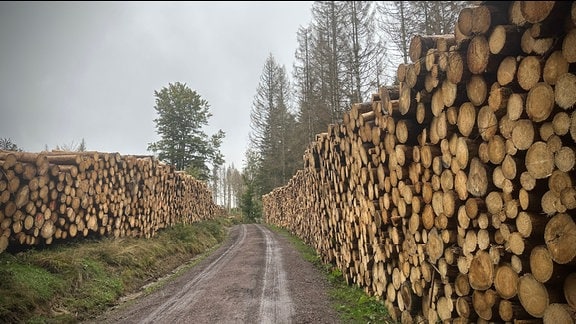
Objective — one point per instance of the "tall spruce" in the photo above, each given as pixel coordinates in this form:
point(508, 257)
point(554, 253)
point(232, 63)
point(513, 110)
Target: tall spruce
point(272, 127)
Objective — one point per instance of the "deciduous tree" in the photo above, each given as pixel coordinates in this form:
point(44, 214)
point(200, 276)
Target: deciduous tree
point(182, 116)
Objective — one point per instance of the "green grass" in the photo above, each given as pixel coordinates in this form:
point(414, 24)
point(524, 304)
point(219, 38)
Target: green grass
point(353, 305)
point(68, 283)
point(72, 282)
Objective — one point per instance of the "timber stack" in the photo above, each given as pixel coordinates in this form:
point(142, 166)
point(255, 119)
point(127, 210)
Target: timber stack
point(452, 196)
point(51, 196)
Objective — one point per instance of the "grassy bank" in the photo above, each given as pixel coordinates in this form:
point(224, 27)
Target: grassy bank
point(72, 282)
point(351, 302)
point(67, 283)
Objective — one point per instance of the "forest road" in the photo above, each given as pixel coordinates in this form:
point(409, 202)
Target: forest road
point(255, 276)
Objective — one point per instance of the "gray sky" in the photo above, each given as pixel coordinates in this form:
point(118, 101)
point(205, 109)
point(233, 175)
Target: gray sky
point(73, 70)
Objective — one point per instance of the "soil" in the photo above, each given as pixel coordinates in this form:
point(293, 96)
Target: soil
point(256, 276)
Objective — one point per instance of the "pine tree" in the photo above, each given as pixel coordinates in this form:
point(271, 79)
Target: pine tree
point(272, 127)
point(82, 146)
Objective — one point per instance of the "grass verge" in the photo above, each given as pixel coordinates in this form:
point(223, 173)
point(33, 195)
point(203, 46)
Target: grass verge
point(353, 305)
point(72, 282)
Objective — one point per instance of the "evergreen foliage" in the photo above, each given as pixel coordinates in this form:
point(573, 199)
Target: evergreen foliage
point(182, 115)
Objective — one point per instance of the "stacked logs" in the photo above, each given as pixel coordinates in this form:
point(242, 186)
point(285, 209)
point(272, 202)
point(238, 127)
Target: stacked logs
point(452, 195)
point(52, 196)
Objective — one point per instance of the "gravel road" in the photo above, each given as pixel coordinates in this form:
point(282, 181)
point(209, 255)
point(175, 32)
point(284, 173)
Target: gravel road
point(256, 276)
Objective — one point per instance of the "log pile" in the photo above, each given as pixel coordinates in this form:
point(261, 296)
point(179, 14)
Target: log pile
point(452, 196)
point(51, 196)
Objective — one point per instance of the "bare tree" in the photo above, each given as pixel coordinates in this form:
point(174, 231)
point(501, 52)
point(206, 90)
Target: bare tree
point(329, 53)
point(8, 145)
point(340, 60)
point(437, 17)
point(399, 21)
point(231, 187)
point(72, 146)
point(365, 50)
point(313, 114)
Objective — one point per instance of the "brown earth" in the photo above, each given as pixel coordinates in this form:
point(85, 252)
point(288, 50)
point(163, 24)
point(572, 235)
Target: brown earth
point(256, 276)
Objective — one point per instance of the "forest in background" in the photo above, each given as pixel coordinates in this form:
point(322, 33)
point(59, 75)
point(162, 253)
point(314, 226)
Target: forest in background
point(347, 51)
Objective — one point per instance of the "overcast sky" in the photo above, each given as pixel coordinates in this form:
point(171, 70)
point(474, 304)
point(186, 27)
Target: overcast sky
point(88, 70)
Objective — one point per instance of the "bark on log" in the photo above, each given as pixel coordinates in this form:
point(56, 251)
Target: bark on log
point(569, 46)
point(569, 288)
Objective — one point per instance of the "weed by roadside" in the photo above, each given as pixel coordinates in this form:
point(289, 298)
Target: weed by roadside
point(71, 282)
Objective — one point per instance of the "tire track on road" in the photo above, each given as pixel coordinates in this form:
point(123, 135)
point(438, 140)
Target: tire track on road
point(275, 302)
point(245, 281)
point(187, 295)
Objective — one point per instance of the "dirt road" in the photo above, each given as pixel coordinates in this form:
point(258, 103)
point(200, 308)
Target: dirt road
point(256, 276)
